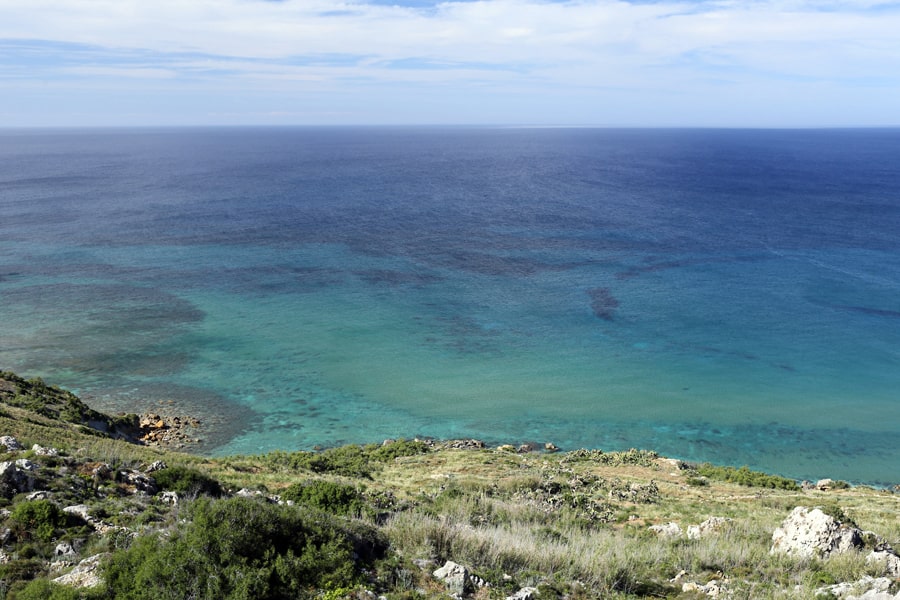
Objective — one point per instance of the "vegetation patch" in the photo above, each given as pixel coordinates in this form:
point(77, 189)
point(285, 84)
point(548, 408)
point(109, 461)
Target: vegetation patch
point(328, 496)
point(186, 481)
point(744, 476)
point(244, 548)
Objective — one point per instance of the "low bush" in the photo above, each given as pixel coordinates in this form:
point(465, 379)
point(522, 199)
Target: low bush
point(43, 589)
point(328, 496)
point(187, 482)
point(744, 476)
point(244, 548)
point(38, 519)
point(398, 448)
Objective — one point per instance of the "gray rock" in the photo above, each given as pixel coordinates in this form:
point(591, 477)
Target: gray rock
point(11, 443)
point(867, 588)
point(669, 530)
point(707, 527)
point(169, 497)
point(454, 576)
point(885, 559)
point(15, 480)
point(39, 495)
point(64, 549)
point(810, 532)
point(42, 451)
point(138, 482)
point(84, 575)
point(526, 593)
point(79, 510)
point(156, 466)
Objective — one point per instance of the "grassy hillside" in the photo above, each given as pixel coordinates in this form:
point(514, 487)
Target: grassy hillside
point(377, 520)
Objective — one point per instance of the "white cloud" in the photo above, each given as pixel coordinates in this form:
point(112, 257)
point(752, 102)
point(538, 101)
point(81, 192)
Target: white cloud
point(672, 47)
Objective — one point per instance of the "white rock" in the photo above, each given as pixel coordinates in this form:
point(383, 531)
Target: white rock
point(84, 575)
point(887, 560)
point(11, 443)
point(526, 593)
point(454, 576)
point(808, 533)
point(708, 526)
point(26, 465)
point(79, 510)
point(42, 451)
point(156, 466)
point(867, 588)
point(667, 530)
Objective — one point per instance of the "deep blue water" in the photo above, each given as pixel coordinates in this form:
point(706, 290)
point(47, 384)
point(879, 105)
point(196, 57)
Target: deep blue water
point(723, 295)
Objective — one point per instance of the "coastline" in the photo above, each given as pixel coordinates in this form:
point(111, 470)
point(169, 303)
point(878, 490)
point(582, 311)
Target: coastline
point(175, 431)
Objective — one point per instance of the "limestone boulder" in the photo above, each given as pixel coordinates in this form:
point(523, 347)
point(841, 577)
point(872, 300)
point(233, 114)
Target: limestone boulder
point(84, 575)
point(455, 577)
point(44, 451)
point(156, 466)
point(526, 593)
point(137, 482)
point(867, 588)
point(711, 525)
point(885, 559)
point(15, 478)
point(10, 443)
point(810, 532)
point(668, 530)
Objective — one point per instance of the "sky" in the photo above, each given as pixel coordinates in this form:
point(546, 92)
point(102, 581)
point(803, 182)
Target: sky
point(690, 63)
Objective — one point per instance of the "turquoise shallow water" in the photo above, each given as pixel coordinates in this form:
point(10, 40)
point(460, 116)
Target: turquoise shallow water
point(310, 288)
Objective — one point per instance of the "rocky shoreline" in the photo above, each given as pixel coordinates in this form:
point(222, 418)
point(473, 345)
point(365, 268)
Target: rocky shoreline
point(173, 432)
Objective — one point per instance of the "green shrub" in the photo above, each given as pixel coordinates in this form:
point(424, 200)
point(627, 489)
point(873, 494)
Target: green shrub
point(244, 548)
point(187, 482)
point(43, 589)
point(641, 458)
point(37, 519)
point(744, 476)
point(392, 450)
point(327, 496)
point(349, 461)
point(837, 513)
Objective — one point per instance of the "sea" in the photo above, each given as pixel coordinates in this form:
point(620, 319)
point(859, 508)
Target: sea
point(716, 295)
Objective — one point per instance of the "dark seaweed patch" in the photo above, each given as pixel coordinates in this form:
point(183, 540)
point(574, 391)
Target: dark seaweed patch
point(603, 303)
point(396, 278)
point(867, 310)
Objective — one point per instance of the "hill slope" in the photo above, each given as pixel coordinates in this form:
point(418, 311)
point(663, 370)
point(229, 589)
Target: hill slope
point(133, 521)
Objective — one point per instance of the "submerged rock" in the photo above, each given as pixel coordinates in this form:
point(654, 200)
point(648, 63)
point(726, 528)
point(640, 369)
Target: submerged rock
point(603, 303)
